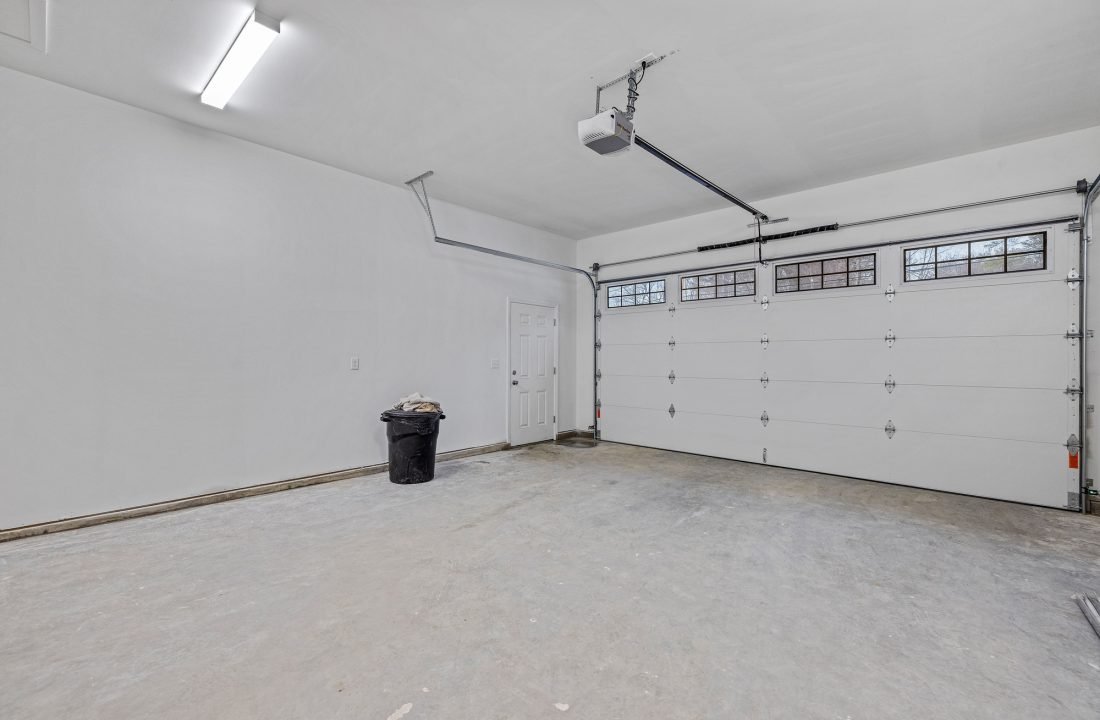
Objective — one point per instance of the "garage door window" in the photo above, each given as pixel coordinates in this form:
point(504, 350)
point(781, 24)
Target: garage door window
point(991, 256)
point(644, 293)
point(715, 286)
point(840, 272)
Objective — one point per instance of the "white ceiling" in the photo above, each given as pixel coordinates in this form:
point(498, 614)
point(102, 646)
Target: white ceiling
point(764, 97)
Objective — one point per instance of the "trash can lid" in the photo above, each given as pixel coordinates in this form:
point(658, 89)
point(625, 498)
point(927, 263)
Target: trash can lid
point(412, 415)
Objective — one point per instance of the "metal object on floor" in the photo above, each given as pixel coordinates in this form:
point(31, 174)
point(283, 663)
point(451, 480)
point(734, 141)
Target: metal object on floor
point(1090, 606)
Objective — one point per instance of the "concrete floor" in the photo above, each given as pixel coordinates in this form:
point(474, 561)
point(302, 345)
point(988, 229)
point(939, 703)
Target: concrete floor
point(554, 582)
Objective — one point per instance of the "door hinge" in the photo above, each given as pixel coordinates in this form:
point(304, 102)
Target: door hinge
point(890, 338)
point(764, 341)
point(890, 293)
point(599, 375)
point(672, 308)
point(672, 343)
point(764, 419)
point(890, 384)
point(599, 344)
point(1073, 276)
point(890, 429)
point(765, 456)
point(1074, 388)
point(671, 410)
point(599, 315)
point(764, 380)
point(672, 377)
point(764, 303)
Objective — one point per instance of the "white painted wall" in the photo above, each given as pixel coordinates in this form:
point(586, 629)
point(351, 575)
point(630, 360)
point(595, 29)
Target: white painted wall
point(178, 309)
point(1056, 161)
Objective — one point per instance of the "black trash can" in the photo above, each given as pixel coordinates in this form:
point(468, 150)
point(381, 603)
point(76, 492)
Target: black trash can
point(412, 436)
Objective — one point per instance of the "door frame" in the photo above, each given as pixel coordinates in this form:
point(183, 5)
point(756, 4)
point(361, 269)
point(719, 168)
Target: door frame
point(508, 356)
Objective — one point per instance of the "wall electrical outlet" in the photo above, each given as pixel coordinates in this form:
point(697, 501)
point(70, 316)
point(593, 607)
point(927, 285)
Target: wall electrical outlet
point(355, 362)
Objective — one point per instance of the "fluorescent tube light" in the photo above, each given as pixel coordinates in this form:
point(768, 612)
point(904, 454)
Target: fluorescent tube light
point(250, 45)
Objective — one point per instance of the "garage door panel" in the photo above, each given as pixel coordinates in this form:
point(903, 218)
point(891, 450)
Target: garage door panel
point(1021, 472)
point(971, 383)
point(720, 436)
point(636, 426)
point(721, 361)
point(634, 391)
point(853, 451)
point(710, 396)
point(829, 403)
point(833, 360)
point(634, 326)
point(717, 323)
point(1014, 307)
point(982, 361)
point(821, 315)
point(982, 412)
point(635, 360)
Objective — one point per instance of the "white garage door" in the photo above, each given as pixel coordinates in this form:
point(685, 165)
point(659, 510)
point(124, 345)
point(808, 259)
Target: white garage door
point(941, 364)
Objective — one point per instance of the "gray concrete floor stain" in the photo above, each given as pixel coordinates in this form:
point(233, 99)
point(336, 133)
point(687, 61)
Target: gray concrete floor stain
point(554, 582)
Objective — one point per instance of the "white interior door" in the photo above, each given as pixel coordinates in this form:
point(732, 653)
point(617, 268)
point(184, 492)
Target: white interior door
point(532, 400)
point(933, 371)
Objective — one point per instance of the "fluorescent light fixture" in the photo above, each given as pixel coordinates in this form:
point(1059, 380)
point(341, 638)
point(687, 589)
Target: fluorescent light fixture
point(250, 45)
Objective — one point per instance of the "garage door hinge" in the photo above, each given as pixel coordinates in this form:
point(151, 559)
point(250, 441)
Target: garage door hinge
point(1074, 332)
point(890, 384)
point(599, 375)
point(765, 455)
point(672, 343)
point(1073, 445)
point(890, 293)
point(764, 379)
point(599, 314)
point(1074, 387)
point(890, 338)
point(890, 429)
point(1073, 276)
point(764, 303)
point(764, 341)
point(671, 377)
point(671, 410)
point(599, 344)
point(764, 418)
point(672, 308)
